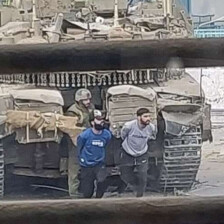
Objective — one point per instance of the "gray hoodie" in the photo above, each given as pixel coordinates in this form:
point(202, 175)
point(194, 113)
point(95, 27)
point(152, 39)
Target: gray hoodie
point(136, 139)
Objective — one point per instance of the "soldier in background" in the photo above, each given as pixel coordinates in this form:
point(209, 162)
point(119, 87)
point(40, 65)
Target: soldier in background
point(81, 109)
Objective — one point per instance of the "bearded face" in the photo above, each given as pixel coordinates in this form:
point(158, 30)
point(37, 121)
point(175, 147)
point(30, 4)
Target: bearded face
point(98, 124)
point(145, 119)
point(86, 103)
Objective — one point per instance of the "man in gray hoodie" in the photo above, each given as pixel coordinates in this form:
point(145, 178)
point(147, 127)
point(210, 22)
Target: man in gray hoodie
point(134, 156)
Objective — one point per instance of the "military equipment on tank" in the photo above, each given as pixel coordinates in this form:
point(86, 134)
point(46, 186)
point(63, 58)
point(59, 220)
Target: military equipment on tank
point(22, 22)
point(32, 126)
point(142, 20)
point(175, 99)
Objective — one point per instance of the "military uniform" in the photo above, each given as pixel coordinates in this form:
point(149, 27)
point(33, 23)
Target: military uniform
point(73, 165)
point(81, 112)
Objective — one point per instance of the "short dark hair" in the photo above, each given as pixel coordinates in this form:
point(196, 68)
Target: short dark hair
point(142, 111)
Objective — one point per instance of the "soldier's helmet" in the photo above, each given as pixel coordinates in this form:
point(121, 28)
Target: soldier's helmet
point(82, 94)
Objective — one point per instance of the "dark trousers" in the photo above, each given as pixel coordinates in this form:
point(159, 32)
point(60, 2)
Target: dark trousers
point(110, 181)
point(88, 177)
point(134, 171)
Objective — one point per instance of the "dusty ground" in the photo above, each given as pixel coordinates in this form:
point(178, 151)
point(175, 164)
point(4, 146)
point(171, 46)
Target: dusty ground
point(211, 176)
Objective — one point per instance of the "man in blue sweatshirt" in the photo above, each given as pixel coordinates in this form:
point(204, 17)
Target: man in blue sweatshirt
point(91, 146)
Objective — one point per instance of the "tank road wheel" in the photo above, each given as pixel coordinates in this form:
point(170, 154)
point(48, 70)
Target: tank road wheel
point(2, 172)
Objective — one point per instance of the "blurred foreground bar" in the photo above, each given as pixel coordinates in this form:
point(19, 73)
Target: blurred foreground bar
point(115, 211)
point(115, 55)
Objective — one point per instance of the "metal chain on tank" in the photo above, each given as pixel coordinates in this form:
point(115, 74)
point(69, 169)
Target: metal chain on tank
point(75, 79)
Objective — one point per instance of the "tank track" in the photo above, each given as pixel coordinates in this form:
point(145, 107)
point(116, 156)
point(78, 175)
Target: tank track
point(181, 160)
point(2, 172)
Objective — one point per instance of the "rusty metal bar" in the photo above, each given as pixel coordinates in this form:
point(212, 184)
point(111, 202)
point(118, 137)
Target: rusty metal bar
point(116, 55)
point(115, 211)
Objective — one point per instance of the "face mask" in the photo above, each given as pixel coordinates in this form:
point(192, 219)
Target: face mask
point(98, 127)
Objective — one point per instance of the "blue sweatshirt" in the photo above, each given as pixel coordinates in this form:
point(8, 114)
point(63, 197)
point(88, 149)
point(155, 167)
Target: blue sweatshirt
point(91, 147)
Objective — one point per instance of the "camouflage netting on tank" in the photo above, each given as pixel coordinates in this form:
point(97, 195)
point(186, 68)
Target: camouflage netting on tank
point(42, 122)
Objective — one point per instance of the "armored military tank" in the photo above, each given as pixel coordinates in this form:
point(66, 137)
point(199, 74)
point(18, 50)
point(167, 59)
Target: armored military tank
point(175, 99)
point(177, 102)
